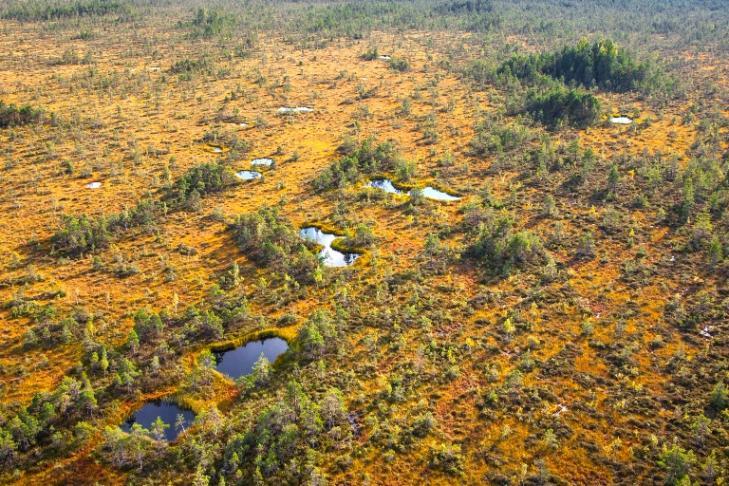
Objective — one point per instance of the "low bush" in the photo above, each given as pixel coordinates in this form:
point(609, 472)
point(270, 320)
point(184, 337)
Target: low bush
point(12, 116)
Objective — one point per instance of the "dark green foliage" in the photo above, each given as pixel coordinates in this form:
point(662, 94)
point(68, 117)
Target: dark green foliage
point(563, 106)
point(12, 116)
point(494, 136)
point(80, 234)
point(200, 181)
point(677, 463)
point(317, 336)
point(466, 6)
point(280, 444)
point(269, 240)
point(501, 250)
point(719, 398)
point(603, 64)
point(71, 402)
point(447, 459)
point(399, 64)
point(209, 22)
point(365, 158)
point(370, 55)
point(191, 66)
point(58, 9)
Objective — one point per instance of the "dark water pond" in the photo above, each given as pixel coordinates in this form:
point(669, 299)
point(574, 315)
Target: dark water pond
point(167, 411)
point(239, 361)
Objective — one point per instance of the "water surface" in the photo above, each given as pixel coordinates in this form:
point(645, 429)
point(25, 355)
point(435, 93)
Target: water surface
point(621, 120)
point(436, 195)
point(248, 175)
point(385, 185)
point(329, 256)
point(239, 361)
point(285, 110)
point(262, 162)
point(167, 411)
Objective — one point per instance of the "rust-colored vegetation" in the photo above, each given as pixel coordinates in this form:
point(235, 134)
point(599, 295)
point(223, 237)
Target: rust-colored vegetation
point(534, 292)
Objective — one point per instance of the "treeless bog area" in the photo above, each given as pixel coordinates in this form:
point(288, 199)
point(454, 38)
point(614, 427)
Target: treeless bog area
point(364, 242)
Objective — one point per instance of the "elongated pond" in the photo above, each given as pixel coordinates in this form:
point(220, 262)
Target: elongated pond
point(385, 185)
point(436, 195)
point(427, 191)
point(330, 257)
point(621, 120)
point(239, 361)
point(262, 162)
point(248, 175)
point(167, 411)
point(286, 110)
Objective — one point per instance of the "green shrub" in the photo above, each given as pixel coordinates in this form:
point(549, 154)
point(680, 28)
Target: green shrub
point(209, 23)
point(12, 116)
point(199, 181)
point(188, 66)
point(267, 238)
point(399, 64)
point(80, 234)
point(501, 250)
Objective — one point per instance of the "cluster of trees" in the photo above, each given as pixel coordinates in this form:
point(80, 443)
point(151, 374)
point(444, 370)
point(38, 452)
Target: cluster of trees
point(286, 438)
point(199, 181)
point(602, 64)
point(268, 239)
point(58, 9)
point(12, 116)
point(500, 249)
point(46, 419)
point(560, 106)
point(187, 67)
point(79, 235)
point(209, 23)
point(558, 80)
point(366, 157)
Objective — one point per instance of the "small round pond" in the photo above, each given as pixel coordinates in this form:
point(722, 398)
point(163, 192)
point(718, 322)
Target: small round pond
point(217, 150)
point(248, 175)
point(329, 256)
point(93, 185)
point(168, 412)
point(621, 120)
point(239, 361)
